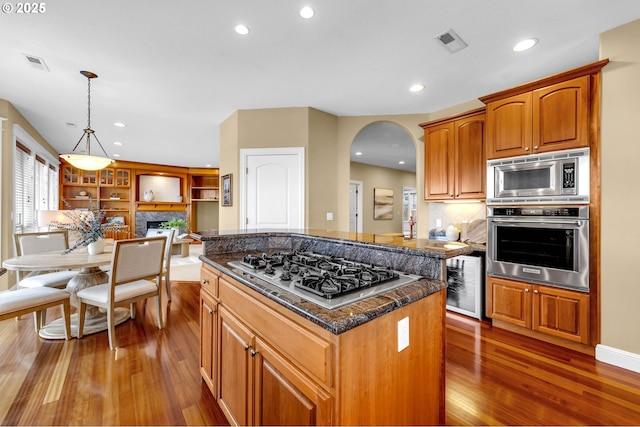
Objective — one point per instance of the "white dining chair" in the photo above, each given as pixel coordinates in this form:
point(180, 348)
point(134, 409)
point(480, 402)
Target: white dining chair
point(36, 301)
point(35, 243)
point(166, 268)
point(136, 274)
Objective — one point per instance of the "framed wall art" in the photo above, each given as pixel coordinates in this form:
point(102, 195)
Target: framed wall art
point(226, 190)
point(382, 203)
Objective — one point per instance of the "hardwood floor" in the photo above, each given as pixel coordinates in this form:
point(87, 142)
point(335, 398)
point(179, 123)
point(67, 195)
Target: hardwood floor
point(493, 377)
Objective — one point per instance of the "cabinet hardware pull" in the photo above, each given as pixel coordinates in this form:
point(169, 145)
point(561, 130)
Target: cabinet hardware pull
point(526, 148)
point(209, 309)
point(253, 353)
point(535, 292)
point(535, 147)
point(205, 281)
point(526, 289)
point(247, 347)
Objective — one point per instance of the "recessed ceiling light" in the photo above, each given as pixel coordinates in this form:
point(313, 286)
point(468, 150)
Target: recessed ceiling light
point(417, 87)
point(208, 166)
point(358, 153)
point(119, 124)
point(401, 162)
point(116, 155)
point(525, 44)
point(117, 143)
point(306, 12)
point(241, 29)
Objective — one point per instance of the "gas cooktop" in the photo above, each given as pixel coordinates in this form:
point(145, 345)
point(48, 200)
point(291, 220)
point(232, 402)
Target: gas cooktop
point(328, 281)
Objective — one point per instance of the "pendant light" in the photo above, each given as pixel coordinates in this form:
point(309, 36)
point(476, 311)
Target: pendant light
point(86, 161)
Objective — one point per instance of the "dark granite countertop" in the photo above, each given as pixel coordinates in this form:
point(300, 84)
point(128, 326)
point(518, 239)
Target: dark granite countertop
point(433, 248)
point(423, 258)
point(338, 320)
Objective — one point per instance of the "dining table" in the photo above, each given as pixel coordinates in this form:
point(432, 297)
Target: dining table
point(89, 274)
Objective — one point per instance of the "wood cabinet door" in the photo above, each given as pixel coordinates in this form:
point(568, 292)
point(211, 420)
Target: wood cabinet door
point(561, 116)
point(235, 373)
point(510, 301)
point(509, 127)
point(208, 341)
point(470, 165)
point(561, 313)
point(283, 395)
point(439, 155)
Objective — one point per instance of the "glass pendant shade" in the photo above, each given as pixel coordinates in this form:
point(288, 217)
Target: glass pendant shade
point(87, 161)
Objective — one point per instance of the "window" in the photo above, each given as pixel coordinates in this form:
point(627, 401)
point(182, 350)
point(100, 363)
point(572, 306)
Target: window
point(36, 181)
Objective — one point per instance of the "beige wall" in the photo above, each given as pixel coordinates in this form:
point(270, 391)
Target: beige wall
point(620, 277)
point(305, 127)
point(378, 177)
point(13, 117)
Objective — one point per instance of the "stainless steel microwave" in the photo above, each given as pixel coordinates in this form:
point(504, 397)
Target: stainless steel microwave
point(554, 177)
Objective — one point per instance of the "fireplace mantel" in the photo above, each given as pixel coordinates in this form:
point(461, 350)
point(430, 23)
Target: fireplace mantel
point(161, 206)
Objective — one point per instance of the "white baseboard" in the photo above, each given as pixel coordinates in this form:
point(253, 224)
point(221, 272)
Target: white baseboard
point(617, 357)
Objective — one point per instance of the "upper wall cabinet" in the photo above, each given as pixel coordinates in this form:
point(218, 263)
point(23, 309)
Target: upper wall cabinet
point(548, 115)
point(454, 157)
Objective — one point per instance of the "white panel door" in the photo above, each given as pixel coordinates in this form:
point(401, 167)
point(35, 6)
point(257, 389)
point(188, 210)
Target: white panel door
point(274, 188)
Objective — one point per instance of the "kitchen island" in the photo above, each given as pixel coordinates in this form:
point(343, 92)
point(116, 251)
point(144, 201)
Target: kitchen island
point(273, 357)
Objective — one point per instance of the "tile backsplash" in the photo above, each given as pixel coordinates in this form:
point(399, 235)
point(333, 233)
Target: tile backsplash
point(455, 213)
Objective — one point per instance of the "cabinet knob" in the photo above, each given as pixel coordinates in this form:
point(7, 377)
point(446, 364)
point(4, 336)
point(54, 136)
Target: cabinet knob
point(526, 289)
point(253, 353)
point(535, 147)
point(526, 148)
point(205, 281)
point(247, 347)
point(536, 291)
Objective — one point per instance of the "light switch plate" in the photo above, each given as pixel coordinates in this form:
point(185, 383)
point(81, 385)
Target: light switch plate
point(403, 334)
point(329, 216)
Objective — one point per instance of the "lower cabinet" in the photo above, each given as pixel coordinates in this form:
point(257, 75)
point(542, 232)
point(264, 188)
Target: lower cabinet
point(548, 310)
point(258, 386)
point(208, 342)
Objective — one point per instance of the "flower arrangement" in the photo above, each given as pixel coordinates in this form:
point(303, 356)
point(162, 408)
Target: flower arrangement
point(90, 225)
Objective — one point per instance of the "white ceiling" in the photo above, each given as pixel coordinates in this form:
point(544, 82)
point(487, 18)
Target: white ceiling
point(174, 70)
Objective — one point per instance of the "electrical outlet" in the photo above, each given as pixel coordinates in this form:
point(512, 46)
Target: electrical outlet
point(403, 334)
point(329, 216)
point(438, 222)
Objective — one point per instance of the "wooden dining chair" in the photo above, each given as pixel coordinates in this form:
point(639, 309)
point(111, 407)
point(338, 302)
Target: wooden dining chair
point(136, 274)
point(166, 268)
point(35, 243)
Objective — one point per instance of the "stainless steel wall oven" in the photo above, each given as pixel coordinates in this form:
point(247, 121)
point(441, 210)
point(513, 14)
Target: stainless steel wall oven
point(547, 245)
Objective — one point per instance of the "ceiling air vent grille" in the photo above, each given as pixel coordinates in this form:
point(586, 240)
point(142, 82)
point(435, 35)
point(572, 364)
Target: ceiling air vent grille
point(36, 62)
point(451, 41)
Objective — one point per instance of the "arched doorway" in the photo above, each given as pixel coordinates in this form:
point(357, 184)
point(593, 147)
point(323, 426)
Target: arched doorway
point(383, 164)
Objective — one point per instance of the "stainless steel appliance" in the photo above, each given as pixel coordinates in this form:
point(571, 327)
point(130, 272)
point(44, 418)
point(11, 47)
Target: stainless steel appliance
point(548, 245)
point(327, 281)
point(560, 177)
point(465, 285)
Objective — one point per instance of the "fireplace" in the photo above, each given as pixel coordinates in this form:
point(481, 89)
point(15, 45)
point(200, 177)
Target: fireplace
point(146, 220)
point(154, 224)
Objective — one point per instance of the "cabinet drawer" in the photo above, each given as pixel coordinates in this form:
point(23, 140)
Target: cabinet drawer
point(307, 351)
point(209, 280)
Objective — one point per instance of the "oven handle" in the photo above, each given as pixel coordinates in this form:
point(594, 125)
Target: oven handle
point(577, 223)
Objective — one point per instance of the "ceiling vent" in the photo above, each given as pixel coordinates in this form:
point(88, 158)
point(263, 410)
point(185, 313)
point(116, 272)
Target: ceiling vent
point(451, 41)
point(36, 62)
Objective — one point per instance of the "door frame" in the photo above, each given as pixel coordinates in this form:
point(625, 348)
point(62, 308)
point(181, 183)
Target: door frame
point(359, 185)
point(245, 153)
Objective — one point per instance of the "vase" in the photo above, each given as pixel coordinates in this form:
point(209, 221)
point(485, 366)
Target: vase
point(96, 247)
point(452, 233)
point(148, 195)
